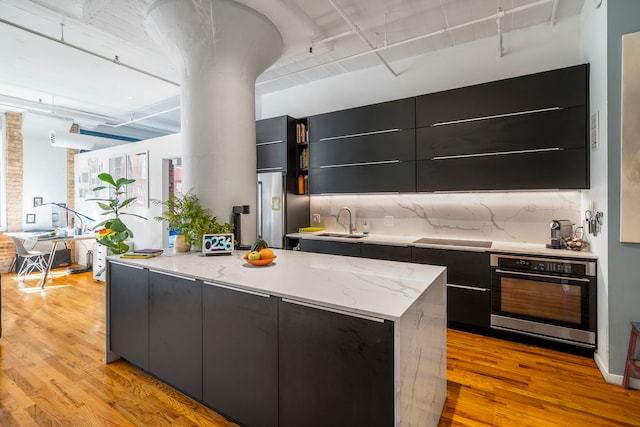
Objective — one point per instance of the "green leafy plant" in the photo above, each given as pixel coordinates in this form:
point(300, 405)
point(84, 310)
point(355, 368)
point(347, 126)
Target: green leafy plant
point(186, 215)
point(116, 231)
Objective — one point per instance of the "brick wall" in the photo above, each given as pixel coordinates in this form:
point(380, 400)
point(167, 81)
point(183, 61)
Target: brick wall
point(14, 186)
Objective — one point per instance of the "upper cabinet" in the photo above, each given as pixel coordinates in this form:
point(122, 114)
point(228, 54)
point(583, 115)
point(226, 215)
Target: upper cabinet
point(363, 150)
point(563, 88)
point(274, 137)
point(523, 133)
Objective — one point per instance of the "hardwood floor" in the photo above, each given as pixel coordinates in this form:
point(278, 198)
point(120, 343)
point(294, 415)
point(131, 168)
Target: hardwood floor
point(52, 372)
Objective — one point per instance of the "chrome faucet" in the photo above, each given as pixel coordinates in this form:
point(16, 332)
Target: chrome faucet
point(350, 218)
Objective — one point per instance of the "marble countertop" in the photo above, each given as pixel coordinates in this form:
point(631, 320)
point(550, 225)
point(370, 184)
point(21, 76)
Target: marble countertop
point(382, 289)
point(496, 247)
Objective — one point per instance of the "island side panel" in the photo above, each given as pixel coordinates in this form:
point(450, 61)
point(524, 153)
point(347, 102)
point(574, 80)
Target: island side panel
point(421, 345)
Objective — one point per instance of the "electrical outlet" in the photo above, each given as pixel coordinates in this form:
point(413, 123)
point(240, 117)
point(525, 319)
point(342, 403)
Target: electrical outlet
point(315, 218)
point(388, 221)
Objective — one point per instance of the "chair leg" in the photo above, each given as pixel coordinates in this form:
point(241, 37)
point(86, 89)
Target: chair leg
point(630, 364)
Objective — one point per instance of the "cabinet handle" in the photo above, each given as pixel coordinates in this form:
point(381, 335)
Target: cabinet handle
point(127, 265)
point(177, 276)
point(353, 135)
point(543, 276)
point(334, 310)
point(497, 153)
point(259, 190)
point(470, 288)
point(346, 165)
point(244, 291)
point(280, 168)
point(496, 116)
point(269, 142)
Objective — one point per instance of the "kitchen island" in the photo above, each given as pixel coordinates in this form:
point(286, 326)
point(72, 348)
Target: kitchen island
point(310, 339)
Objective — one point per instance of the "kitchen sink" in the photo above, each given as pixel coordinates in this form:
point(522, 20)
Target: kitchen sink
point(345, 235)
point(455, 242)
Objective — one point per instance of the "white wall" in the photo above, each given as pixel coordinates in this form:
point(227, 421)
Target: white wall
point(149, 233)
point(594, 51)
point(538, 48)
point(44, 172)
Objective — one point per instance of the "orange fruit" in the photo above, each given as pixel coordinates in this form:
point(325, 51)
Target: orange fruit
point(246, 255)
point(266, 253)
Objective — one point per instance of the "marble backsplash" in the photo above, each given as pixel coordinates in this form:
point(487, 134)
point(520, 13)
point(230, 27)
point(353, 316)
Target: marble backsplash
point(508, 217)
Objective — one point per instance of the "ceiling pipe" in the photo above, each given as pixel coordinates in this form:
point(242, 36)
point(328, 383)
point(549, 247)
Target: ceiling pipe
point(66, 112)
point(500, 15)
point(554, 13)
point(359, 33)
point(81, 49)
point(332, 38)
point(139, 119)
point(406, 41)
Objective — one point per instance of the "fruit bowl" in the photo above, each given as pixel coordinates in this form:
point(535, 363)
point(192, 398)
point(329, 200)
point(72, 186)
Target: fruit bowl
point(261, 262)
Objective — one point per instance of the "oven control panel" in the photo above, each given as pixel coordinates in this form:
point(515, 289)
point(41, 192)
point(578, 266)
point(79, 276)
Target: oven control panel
point(580, 268)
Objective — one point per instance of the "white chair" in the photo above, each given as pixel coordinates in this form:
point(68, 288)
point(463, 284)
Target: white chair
point(31, 260)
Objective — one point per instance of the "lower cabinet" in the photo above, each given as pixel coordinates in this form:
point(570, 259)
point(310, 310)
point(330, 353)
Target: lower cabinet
point(386, 252)
point(129, 313)
point(468, 283)
point(175, 331)
point(330, 247)
point(335, 369)
point(469, 305)
point(260, 360)
point(240, 354)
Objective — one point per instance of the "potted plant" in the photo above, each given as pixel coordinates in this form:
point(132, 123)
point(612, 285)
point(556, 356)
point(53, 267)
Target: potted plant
point(116, 232)
point(186, 215)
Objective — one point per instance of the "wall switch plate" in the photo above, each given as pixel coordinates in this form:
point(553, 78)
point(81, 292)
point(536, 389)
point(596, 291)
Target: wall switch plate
point(388, 221)
point(315, 218)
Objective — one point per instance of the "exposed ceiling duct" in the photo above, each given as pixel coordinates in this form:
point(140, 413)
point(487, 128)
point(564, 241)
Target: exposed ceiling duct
point(56, 130)
point(78, 141)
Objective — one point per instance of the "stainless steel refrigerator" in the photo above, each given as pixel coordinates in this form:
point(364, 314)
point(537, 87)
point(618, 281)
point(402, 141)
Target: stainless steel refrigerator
point(280, 211)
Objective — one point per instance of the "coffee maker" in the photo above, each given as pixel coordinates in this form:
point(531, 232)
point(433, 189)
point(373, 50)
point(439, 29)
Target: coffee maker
point(560, 230)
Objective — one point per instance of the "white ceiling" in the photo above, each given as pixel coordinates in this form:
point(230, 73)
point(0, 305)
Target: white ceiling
point(92, 61)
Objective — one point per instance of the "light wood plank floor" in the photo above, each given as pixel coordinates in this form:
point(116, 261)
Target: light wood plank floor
point(52, 373)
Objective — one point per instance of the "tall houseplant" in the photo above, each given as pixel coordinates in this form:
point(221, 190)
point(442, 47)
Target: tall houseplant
point(185, 214)
point(116, 232)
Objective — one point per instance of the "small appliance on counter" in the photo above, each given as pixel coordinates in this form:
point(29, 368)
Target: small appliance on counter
point(560, 230)
point(237, 224)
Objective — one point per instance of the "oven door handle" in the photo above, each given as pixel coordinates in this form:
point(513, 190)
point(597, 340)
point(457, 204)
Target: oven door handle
point(544, 276)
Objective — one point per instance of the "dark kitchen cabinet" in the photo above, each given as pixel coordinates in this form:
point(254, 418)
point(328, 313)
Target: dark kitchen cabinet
point(240, 343)
point(468, 283)
point(364, 163)
point(363, 150)
point(175, 331)
point(565, 87)
point(562, 169)
point(398, 114)
point(330, 247)
point(528, 132)
point(129, 313)
point(335, 369)
point(377, 178)
point(275, 144)
point(386, 252)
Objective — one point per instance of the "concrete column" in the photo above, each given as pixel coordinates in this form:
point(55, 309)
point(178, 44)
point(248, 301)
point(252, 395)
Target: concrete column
point(220, 48)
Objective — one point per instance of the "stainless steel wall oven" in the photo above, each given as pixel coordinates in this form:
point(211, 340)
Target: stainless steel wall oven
point(550, 298)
